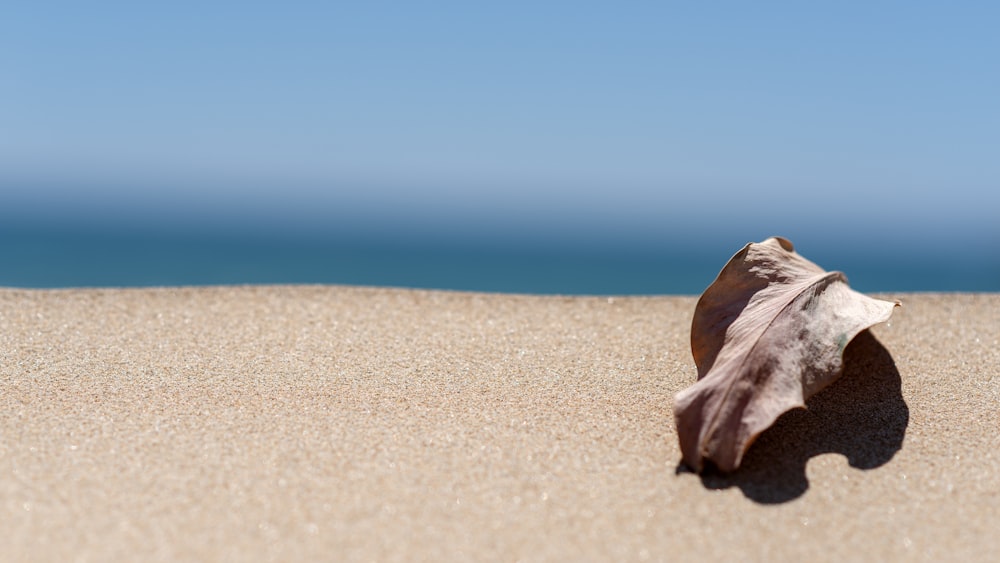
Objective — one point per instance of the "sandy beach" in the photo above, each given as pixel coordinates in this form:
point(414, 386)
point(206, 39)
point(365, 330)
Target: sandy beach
point(278, 423)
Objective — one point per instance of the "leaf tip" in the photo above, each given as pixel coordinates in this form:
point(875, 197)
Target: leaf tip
point(783, 243)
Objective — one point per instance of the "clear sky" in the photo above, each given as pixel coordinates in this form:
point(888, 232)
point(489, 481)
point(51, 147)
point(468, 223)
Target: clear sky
point(638, 120)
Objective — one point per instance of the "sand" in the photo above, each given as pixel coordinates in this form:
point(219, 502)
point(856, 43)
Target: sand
point(338, 423)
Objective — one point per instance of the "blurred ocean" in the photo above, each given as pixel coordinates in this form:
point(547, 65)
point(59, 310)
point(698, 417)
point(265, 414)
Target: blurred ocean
point(47, 257)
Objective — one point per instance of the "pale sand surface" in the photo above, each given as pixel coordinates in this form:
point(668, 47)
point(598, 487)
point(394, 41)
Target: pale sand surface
point(333, 423)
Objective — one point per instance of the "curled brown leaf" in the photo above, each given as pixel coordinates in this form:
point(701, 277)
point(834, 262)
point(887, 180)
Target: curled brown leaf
point(767, 334)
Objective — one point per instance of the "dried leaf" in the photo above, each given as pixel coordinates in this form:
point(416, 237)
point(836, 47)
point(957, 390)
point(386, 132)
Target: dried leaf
point(767, 334)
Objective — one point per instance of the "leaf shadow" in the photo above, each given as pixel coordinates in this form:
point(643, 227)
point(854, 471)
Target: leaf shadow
point(862, 416)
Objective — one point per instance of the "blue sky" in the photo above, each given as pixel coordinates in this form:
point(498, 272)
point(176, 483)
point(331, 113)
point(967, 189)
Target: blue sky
point(643, 121)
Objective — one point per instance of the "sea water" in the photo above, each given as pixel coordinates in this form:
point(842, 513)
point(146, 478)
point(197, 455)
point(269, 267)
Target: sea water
point(49, 258)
